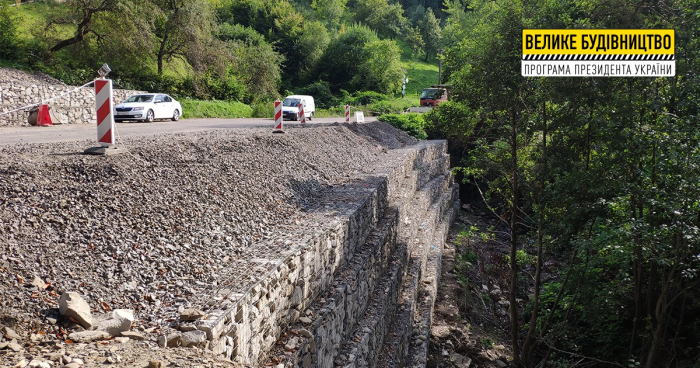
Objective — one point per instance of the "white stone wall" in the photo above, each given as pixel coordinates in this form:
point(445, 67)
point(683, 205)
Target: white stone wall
point(19, 89)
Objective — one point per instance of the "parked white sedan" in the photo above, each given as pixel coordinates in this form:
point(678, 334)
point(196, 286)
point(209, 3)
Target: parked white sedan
point(148, 107)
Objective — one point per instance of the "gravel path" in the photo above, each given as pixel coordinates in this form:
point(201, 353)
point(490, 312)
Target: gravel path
point(158, 228)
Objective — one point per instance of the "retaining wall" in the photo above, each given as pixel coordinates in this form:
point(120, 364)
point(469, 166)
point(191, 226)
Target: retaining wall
point(19, 89)
point(338, 293)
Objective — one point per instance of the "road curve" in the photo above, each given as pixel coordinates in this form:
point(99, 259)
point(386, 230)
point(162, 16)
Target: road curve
point(77, 132)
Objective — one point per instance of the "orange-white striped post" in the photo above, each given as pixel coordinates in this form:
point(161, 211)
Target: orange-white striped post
point(105, 119)
point(347, 113)
point(302, 114)
point(278, 117)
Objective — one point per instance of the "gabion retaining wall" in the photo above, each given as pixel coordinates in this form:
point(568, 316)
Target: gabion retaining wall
point(19, 89)
point(325, 287)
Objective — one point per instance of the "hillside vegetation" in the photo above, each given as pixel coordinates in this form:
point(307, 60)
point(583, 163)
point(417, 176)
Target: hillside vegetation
point(594, 182)
point(228, 50)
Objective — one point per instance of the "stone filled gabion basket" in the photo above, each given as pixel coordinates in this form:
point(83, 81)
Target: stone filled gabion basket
point(144, 236)
point(21, 92)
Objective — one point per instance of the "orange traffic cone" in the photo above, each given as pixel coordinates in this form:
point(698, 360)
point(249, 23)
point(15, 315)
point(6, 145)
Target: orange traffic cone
point(44, 118)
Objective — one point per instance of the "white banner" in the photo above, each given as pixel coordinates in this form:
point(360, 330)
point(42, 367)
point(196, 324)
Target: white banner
point(610, 68)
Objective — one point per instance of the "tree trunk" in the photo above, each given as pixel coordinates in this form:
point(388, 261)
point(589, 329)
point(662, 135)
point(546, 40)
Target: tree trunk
point(529, 343)
point(637, 300)
point(514, 243)
point(78, 37)
point(657, 338)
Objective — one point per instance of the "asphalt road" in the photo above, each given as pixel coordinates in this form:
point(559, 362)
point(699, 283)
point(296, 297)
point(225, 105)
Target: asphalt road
point(76, 132)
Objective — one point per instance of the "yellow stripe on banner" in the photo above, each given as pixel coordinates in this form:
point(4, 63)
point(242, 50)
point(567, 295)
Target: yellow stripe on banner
point(598, 42)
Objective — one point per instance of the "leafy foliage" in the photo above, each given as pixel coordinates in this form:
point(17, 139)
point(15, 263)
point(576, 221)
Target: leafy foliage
point(9, 44)
point(431, 34)
point(413, 124)
point(366, 98)
point(219, 109)
point(358, 60)
point(384, 18)
point(321, 92)
point(597, 173)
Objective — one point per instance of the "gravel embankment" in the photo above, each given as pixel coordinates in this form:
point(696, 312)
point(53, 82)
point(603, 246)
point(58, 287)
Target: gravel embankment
point(154, 229)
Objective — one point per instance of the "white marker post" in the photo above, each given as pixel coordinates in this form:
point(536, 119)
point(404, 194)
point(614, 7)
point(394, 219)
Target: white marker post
point(105, 115)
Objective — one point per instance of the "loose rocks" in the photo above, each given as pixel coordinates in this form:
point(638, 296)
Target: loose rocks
point(169, 226)
point(73, 305)
point(116, 322)
point(193, 338)
point(87, 336)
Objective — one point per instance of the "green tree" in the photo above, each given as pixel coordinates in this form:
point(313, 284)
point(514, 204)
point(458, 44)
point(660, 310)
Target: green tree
point(380, 69)
point(84, 14)
point(183, 29)
point(357, 60)
point(311, 44)
point(431, 34)
point(9, 44)
point(253, 60)
point(331, 12)
point(100, 33)
point(458, 21)
point(381, 16)
point(283, 27)
point(414, 39)
point(600, 172)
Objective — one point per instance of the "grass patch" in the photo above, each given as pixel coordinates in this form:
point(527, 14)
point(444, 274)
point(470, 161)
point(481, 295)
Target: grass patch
point(263, 110)
point(331, 112)
point(392, 106)
point(421, 74)
point(33, 18)
point(215, 109)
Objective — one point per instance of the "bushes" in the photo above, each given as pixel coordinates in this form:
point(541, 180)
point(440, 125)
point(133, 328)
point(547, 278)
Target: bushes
point(358, 60)
point(413, 124)
point(215, 109)
point(376, 103)
point(263, 109)
point(321, 92)
point(367, 97)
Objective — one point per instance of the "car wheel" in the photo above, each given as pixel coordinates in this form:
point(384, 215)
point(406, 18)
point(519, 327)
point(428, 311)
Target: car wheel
point(176, 115)
point(150, 116)
point(311, 116)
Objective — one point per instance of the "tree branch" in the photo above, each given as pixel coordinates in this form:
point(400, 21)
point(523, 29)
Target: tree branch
point(615, 364)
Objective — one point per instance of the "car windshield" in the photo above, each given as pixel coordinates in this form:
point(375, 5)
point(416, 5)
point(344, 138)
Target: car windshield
point(291, 102)
point(431, 93)
point(140, 98)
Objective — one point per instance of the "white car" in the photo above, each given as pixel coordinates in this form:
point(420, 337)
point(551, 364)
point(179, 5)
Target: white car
point(148, 107)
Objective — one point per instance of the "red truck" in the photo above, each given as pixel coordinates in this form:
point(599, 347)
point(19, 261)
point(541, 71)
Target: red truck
point(433, 96)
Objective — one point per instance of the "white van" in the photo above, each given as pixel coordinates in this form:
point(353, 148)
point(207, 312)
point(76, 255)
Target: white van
point(290, 107)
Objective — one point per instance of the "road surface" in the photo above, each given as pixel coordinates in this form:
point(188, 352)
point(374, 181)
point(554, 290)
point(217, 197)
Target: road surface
point(76, 132)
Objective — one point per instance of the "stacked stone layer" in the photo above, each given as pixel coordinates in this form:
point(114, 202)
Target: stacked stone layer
point(366, 317)
point(20, 89)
